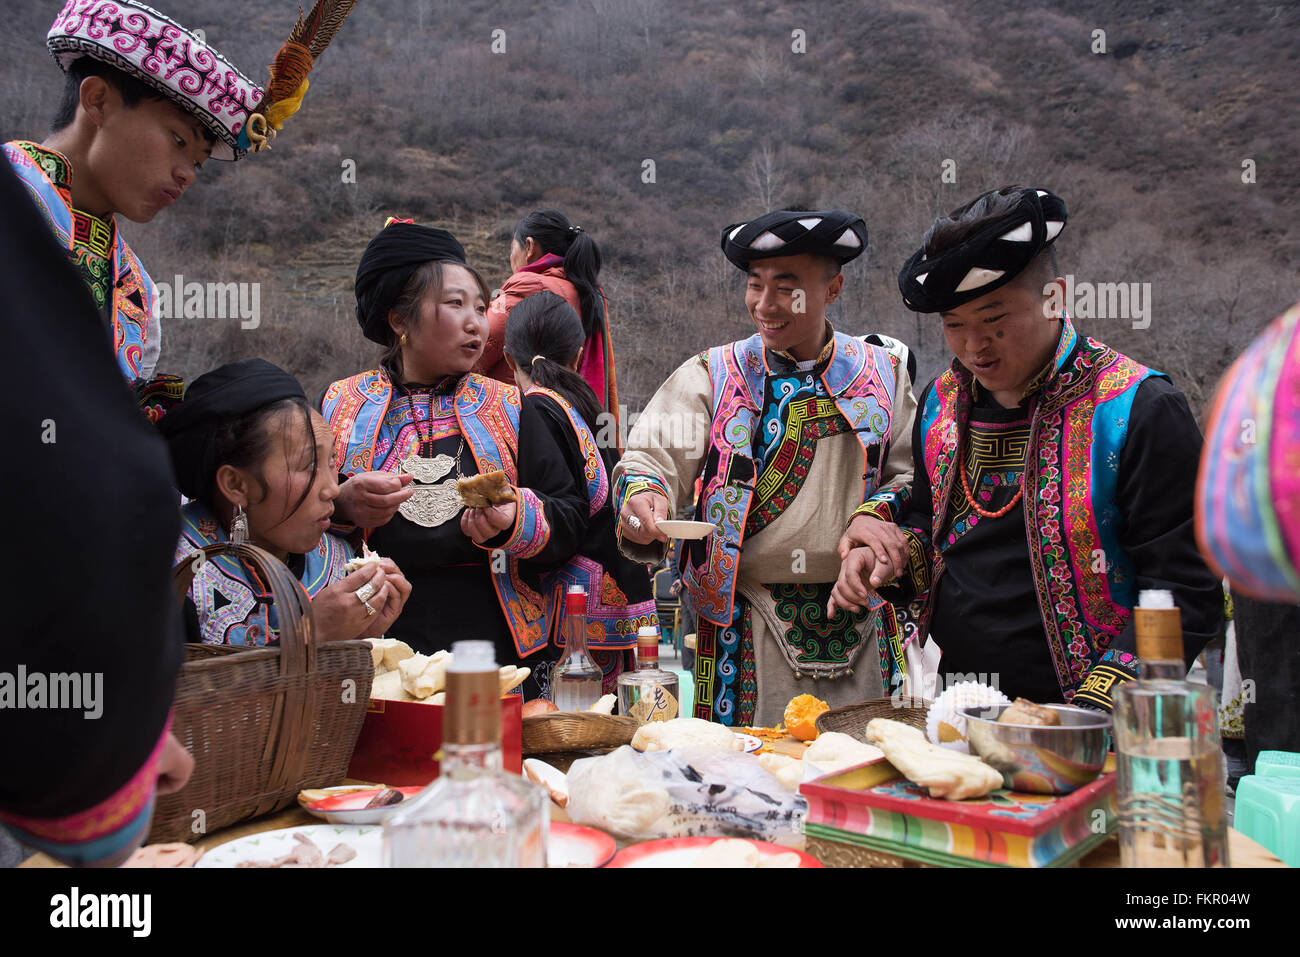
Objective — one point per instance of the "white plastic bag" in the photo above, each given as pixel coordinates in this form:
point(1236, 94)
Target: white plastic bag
point(685, 792)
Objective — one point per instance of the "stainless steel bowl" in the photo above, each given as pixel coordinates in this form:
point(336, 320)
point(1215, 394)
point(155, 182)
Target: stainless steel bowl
point(1038, 759)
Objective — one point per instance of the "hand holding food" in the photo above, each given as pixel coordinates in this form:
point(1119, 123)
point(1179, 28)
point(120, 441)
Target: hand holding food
point(339, 610)
point(947, 774)
point(486, 490)
point(481, 524)
point(371, 499)
point(389, 601)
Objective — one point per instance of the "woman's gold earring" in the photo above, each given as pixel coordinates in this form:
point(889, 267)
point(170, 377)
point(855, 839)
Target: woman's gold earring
point(403, 339)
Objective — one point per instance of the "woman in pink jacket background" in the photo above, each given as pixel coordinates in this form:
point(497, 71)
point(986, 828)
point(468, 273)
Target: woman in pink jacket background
point(549, 253)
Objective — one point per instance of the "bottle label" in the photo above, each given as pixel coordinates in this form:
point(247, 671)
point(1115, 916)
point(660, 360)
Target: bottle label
point(655, 704)
point(473, 714)
point(1159, 633)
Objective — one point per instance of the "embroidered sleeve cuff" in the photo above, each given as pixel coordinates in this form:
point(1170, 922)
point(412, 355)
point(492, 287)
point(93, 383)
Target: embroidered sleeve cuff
point(886, 505)
point(874, 508)
point(1098, 688)
point(531, 531)
point(632, 484)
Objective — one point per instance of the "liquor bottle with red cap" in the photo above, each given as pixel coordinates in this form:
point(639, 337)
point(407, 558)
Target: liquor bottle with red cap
point(576, 680)
point(649, 693)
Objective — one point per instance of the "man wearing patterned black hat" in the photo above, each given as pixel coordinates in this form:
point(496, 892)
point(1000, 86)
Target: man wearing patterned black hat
point(1054, 476)
point(789, 430)
point(146, 104)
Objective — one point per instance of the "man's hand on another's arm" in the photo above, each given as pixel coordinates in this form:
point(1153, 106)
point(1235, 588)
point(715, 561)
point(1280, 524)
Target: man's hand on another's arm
point(884, 541)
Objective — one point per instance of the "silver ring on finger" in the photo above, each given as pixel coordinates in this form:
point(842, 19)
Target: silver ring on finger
point(370, 609)
point(365, 592)
point(633, 522)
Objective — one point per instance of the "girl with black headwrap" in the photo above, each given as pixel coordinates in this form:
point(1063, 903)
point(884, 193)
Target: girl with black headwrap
point(255, 459)
point(404, 433)
point(544, 345)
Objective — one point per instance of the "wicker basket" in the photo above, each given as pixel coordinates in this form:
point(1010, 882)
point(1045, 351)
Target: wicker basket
point(852, 720)
point(576, 731)
point(262, 723)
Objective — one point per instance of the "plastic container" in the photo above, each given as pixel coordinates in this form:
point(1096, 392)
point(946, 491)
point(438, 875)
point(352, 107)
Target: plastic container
point(1278, 764)
point(1268, 812)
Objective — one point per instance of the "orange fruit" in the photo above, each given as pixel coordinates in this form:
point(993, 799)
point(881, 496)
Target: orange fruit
point(801, 716)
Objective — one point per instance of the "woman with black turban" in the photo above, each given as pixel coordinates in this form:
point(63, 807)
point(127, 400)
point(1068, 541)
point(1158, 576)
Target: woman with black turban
point(404, 433)
point(254, 459)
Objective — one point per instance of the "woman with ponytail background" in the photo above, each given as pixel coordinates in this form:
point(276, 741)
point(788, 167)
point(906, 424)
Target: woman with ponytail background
point(545, 343)
point(549, 253)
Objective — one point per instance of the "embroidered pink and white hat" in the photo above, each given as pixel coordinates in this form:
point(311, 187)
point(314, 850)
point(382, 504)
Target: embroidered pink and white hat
point(156, 50)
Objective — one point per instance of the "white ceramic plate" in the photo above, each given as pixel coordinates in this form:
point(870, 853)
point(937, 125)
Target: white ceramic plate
point(549, 777)
point(752, 743)
point(682, 852)
point(571, 845)
point(367, 841)
point(338, 811)
point(680, 528)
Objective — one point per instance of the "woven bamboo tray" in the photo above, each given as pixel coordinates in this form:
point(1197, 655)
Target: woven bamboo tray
point(852, 720)
point(262, 723)
point(576, 731)
point(843, 854)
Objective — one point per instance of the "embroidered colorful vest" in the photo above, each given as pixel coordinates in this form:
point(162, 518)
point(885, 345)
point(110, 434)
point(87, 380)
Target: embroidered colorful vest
point(133, 290)
point(860, 380)
point(612, 622)
point(233, 605)
point(487, 412)
point(1085, 582)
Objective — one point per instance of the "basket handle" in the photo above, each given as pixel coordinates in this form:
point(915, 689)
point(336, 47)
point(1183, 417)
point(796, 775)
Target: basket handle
point(291, 719)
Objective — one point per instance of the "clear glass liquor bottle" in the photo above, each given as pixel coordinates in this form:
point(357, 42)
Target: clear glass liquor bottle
point(576, 680)
point(649, 693)
point(475, 814)
point(1171, 783)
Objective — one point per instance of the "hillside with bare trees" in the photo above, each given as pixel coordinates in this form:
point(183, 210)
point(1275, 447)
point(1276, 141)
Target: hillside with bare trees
point(654, 124)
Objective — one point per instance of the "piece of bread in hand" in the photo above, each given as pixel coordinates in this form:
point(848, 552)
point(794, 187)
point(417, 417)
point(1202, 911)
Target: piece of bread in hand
point(483, 491)
point(367, 557)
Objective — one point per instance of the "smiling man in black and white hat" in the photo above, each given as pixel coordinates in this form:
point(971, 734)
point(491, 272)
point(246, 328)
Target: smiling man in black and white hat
point(788, 431)
point(1054, 475)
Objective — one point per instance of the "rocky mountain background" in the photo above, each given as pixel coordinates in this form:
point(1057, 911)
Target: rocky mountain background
point(1175, 150)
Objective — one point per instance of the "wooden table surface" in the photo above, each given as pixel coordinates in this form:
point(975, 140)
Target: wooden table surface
point(1242, 851)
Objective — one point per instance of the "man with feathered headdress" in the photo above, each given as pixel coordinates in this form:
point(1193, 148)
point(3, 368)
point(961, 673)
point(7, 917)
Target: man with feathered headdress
point(145, 105)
